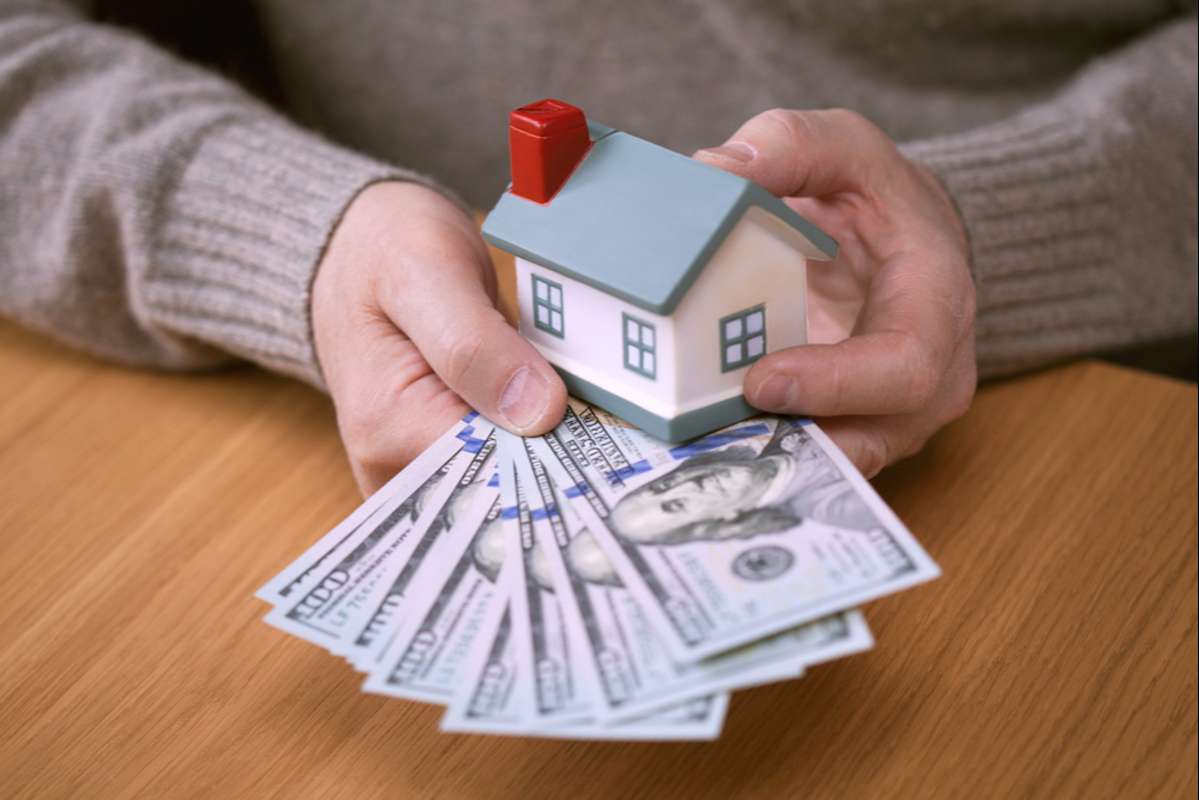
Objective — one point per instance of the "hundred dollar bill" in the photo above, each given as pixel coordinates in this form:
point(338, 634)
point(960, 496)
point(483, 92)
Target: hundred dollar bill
point(695, 720)
point(633, 669)
point(491, 699)
point(475, 492)
point(330, 609)
point(549, 637)
point(469, 432)
point(428, 655)
point(739, 535)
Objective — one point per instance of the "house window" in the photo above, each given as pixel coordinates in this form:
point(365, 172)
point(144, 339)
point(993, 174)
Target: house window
point(640, 347)
point(547, 306)
point(742, 338)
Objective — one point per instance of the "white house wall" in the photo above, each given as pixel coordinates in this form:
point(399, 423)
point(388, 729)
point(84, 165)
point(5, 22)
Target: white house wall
point(758, 263)
point(755, 264)
point(592, 347)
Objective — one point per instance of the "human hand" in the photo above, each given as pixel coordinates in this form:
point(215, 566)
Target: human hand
point(408, 336)
point(891, 319)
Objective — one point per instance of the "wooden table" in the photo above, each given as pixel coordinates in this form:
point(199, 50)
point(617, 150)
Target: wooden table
point(139, 512)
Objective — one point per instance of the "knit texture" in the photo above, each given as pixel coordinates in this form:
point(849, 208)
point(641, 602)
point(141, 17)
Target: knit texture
point(241, 231)
point(152, 211)
point(1081, 211)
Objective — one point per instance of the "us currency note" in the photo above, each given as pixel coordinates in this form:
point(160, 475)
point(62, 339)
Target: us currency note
point(549, 638)
point(329, 609)
point(476, 490)
point(695, 720)
point(469, 432)
point(633, 669)
point(739, 535)
point(491, 698)
point(428, 656)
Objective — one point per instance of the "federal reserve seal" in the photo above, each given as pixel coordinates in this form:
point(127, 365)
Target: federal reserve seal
point(763, 563)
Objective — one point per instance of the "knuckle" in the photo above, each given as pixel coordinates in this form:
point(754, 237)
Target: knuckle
point(795, 124)
point(913, 447)
point(461, 356)
point(962, 397)
point(849, 118)
point(372, 445)
point(873, 454)
point(923, 378)
point(357, 421)
point(838, 380)
point(860, 128)
point(959, 296)
point(367, 422)
point(361, 446)
point(959, 406)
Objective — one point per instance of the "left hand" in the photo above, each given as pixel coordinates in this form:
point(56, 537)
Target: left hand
point(891, 319)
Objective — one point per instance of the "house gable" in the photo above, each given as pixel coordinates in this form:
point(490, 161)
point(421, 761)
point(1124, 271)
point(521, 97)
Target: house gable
point(756, 275)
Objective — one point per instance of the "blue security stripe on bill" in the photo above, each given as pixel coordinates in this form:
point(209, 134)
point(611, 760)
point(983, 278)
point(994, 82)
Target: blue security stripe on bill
point(717, 440)
point(548, 512)
point(576, 490)
point(471, 442)
point(635, 468)
point(713, 441)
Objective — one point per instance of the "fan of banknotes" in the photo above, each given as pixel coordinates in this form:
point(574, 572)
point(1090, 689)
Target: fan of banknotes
point(596, 583)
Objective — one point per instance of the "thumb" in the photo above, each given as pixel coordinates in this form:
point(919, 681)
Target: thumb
point(801, 153)
point(449, 316)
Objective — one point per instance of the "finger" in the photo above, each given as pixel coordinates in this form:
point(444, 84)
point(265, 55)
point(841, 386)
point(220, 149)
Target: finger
point(449, 316)
point(894, 363)
point(802, 153)
point(872, 443)
point(417, 420)
point(390, 404)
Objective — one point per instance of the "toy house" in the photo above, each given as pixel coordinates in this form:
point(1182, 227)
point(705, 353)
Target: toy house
point(650, 281)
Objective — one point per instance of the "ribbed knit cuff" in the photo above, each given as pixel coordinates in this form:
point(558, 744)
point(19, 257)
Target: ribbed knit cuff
point(1031, 194)
point(245, 227)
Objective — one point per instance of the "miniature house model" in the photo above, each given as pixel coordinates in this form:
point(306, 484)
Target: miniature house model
point(650, 281)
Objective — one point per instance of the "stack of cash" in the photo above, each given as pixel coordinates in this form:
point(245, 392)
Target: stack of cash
point(597, 583)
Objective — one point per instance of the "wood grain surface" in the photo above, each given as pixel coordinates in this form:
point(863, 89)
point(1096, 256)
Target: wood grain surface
point(1056, 657)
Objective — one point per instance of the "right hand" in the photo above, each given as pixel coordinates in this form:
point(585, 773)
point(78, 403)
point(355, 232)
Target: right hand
point(408, 336)
point(890, 358)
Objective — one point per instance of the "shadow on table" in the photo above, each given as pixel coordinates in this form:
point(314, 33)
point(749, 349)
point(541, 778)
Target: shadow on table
point(778, 740)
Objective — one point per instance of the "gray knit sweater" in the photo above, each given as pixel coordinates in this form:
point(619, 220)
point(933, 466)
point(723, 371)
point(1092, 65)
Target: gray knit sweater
point(155, 212)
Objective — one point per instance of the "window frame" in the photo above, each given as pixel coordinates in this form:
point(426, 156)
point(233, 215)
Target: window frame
point(742, 339)
point(640, 346)
point(548, 304)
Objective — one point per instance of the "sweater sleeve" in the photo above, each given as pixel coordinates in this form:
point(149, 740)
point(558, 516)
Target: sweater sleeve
point(1081, 211)
point(152, 212)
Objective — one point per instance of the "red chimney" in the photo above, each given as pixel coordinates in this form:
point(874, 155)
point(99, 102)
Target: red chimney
point(546, 141)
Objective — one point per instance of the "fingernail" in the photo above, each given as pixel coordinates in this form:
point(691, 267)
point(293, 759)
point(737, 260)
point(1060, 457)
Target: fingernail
point(735, 151)
point(524, 398)
point(776, 393)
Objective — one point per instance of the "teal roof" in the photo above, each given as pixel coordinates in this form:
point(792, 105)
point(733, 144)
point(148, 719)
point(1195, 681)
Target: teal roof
point(637, 221)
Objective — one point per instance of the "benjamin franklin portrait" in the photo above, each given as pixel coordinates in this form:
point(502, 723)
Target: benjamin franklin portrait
point(736, 493)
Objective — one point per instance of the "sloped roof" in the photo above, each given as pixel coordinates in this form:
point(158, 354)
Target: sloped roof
point(637, 221)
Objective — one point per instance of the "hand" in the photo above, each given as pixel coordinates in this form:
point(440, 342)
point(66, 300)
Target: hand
point(891, 319)
point(408, 336)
